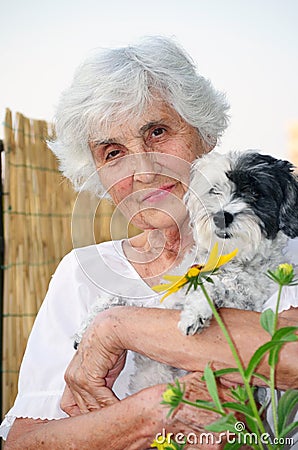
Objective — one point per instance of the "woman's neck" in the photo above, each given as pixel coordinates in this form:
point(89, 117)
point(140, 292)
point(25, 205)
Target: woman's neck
point(155, 252)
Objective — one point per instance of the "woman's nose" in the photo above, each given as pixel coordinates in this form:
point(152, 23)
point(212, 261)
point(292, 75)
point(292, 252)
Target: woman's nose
point(145, 167)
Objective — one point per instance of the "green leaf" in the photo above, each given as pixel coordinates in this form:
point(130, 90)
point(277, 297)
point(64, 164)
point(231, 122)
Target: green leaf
point(281, 336)
point(212, 387)
point(176, 445)
point(232, 446)
point(289, 429)
point(240, 394)
point(257, 356)
point(221, 372)
point(204, 403)
point(284, 333)
point(243, 409)
point(252, 424)
point(209, 280)
point(261, 377)
point(273, 355)
point(285, 406)
point(272, 276)
point(267, 321)
point(261, 351)
point(242, 439)
point(226, 423)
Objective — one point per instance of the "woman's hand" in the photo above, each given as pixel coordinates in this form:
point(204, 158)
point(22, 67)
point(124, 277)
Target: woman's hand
point(101, 354)
point(130, 424)
point(189, 421)
point(93, 369)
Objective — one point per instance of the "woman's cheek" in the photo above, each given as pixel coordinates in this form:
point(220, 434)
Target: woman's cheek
point(120, 191)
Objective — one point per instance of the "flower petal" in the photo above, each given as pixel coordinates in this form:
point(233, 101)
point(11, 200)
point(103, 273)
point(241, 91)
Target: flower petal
point(161, 287)
point(212, 260)
point(177, 282)
point(169, 291)
point(223, 259)
point(166, 286)
point(173, 277)
point(216, 261)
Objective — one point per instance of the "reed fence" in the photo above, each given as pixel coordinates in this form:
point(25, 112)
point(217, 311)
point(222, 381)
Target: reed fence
point(43, 220)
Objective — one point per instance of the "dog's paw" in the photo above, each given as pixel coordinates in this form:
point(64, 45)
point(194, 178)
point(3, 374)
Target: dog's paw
point(190, 324)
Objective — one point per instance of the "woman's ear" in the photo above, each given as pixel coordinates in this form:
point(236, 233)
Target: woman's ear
point(209, 145)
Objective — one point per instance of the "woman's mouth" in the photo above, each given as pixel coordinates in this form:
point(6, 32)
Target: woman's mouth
point(159, 194)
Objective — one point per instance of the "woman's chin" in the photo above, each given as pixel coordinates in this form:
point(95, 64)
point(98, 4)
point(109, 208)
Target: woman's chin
point(154, 219)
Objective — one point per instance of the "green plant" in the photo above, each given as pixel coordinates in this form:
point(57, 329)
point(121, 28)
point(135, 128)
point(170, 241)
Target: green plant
point(242, 397)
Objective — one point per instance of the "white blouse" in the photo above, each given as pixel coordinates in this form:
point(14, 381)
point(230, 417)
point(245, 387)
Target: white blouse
point(79, 278)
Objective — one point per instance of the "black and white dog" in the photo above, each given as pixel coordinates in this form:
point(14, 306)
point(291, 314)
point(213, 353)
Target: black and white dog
point(247, 201)
point(244, 200)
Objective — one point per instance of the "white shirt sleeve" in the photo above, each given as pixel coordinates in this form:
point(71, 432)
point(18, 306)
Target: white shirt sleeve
point(289, 299)
point(79, 278)
point(50, 346)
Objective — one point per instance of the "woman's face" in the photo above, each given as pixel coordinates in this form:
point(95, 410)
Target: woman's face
point(144, 165)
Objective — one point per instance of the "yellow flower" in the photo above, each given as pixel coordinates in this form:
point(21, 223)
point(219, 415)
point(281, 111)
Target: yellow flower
point(177, 282)
point(283, 275)
point(193, 271)
point(170, 395)
point(173, 395)
point(286, 268)
point(215, 260)
point(162, 443)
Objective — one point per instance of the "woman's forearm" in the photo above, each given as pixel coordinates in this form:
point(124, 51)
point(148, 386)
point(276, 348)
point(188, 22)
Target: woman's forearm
point(154, 332)
point(126, 425)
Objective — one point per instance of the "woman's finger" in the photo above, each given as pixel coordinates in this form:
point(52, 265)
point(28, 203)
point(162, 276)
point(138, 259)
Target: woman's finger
point(88, 391)
point(81, 401)
point(68, 403)
point(113, 373)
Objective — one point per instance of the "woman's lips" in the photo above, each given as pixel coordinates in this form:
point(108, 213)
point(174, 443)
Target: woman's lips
point(159, 194)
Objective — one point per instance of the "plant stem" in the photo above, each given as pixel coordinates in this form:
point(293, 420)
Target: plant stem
point(276, 309)
point(272, 370)
point(207, 408)
point(239, 364)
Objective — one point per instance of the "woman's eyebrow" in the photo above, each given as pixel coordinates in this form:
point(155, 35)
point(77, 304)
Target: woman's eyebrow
point(149, 125)
point(98, 143)
point(142, 130)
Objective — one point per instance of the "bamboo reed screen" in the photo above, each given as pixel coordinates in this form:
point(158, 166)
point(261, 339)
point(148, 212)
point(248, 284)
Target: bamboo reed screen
point(43, 220)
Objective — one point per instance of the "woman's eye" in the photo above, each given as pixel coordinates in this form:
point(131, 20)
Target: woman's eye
point(158, 131)
point(112, 154)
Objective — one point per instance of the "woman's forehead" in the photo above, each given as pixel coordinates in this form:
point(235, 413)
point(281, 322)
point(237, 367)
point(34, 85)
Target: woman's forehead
point(155, 114)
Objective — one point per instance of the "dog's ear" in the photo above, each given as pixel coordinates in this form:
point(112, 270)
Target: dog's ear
point(288, 217)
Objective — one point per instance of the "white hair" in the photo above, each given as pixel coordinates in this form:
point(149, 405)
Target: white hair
point(117, 84)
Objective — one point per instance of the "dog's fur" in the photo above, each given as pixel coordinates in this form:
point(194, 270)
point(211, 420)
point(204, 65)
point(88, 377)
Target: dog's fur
point(244, 200)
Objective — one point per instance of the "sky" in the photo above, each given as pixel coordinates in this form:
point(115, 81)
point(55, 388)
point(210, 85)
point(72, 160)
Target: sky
point(247, 48)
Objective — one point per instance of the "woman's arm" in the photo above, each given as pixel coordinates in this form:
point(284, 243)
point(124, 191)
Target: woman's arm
point(154, 333)
point(130, 424)
point(193, 353)
point(124, 425)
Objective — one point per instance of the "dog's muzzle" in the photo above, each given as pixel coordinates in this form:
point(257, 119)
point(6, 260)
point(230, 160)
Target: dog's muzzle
point(222, 220)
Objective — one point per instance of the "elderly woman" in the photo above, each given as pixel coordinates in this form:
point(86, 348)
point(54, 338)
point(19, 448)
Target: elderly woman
point(129, 127)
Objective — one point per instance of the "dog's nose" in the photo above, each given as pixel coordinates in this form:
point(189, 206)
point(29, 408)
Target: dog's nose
point(223, 219)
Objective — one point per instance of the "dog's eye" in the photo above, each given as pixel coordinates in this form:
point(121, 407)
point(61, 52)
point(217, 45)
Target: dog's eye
point(214, 191)
point(254, 193)
point(250, 191)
